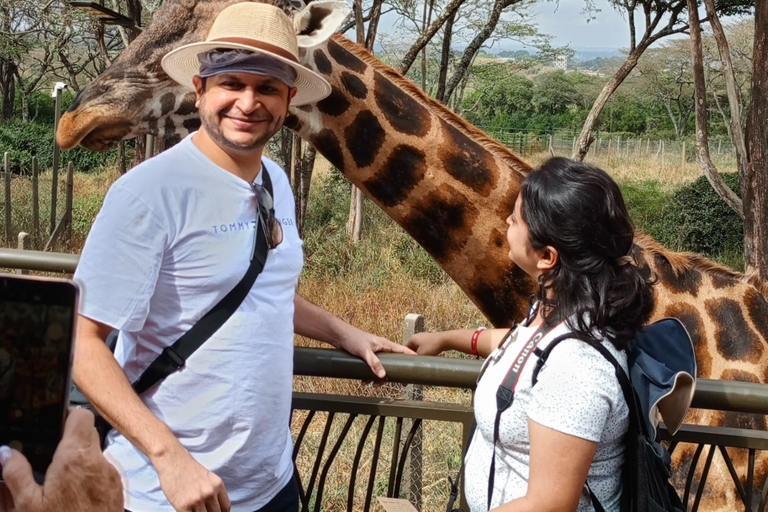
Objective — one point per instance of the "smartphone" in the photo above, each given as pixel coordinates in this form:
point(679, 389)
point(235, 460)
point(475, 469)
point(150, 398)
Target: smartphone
point(37, 332)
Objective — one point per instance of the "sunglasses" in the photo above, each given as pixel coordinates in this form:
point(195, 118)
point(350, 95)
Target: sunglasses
point(266, 209)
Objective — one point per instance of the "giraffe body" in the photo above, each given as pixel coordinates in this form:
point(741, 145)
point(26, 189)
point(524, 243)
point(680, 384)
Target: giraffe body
point(448, 185)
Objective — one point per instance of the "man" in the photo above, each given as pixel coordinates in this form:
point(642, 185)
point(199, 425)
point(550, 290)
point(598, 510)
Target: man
point(79, 478)
point(173, 237)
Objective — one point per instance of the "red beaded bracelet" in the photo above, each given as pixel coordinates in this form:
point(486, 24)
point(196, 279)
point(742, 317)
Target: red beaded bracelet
point(475, 337)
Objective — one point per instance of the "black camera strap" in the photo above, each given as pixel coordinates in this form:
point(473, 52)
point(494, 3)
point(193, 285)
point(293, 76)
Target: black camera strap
point(175, 356)
point(505, 394)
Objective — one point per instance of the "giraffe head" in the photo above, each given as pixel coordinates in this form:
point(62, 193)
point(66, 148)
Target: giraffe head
point(135, 96)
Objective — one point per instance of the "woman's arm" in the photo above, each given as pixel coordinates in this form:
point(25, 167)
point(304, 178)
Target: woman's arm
point(559, 466)
point(434, 343)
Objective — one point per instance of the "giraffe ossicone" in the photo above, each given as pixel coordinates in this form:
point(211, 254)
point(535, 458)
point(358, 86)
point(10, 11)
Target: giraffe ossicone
point(448, 184)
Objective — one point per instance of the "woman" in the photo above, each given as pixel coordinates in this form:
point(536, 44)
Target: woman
point(571, 232)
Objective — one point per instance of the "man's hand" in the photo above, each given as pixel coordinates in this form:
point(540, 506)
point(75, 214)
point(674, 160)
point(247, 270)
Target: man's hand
point(365, 346)
point(188, 486)
point(79, 478)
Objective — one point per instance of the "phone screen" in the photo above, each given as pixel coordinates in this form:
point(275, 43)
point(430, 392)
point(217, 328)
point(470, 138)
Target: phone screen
point(37, 319)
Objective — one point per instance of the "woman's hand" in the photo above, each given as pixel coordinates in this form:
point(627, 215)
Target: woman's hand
point(428, 343)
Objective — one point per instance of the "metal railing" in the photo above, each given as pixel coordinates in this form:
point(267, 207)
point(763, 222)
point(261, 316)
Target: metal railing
point(327, 425)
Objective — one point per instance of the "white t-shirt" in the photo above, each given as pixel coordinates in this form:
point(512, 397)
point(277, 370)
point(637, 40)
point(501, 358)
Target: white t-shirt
point(174, 236)
point(577, 393)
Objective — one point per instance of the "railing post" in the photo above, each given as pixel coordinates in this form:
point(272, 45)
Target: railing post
point(68, 203)
point(413, 468)
point(7, 168)
point(24, 239)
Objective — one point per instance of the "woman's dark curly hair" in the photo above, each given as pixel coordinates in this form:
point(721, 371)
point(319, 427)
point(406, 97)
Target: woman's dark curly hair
point(578, 209)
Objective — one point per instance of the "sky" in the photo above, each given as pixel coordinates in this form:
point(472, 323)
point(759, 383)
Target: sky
point(567, 23)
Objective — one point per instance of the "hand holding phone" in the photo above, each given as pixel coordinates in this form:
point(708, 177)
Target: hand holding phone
point(37, 328)
point(79, 478)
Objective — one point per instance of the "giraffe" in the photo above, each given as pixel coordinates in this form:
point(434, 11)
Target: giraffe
point(444, 181)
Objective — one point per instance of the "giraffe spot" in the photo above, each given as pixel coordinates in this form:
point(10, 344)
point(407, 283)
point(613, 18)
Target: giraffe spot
point(758, 312)
point(739, 376)
point(364, 138)
point(152, 125)
point(191, 125)
point(501, 298)
point(187, 106)
point(720, 280)
point(328, 146)
point(354, 85)
point(172, 140)
point(403, 170)
point(335, 104)
point(167, 102)
point(468, 161)
point(693, 323)
point(642, 263)
point(441, 221)
point(170, 128)
point(404, 113)
point(739, 420)
point(305, 108)
point(292, 123)
point(688, 281)
point(346, 59)
point(145, 52)
point(735, 340)
point(507, 205)
point(322, 63)
point(497, 238)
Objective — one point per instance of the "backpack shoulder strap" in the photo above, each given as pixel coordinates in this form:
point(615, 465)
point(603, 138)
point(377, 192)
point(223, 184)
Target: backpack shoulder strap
point(543, 355)
point(175, 356)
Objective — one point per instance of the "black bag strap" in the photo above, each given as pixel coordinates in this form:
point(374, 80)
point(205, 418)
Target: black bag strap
point(175, 356)
point(624, 382)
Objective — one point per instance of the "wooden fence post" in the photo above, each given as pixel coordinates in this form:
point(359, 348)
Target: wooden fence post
point(24, 240)
point(150, 149)
point(35, 200)
point(7, 169)
point(412, 478)
point(682, 158)
point(68, 209)
point(610, 143)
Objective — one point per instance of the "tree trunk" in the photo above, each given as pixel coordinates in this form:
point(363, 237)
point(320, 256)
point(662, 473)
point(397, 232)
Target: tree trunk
point(373, 24)
point(585, 138)
point(446, 55)
point(413, 52)
point(731, 88)
point(425, 22)
point(307, 168)
point(7, 88)
point(355, 221)
point(702, 132)
point(754, 189)
point(478, 41)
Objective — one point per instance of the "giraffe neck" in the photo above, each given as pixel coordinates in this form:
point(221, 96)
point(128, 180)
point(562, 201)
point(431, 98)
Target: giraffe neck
point(446, 183)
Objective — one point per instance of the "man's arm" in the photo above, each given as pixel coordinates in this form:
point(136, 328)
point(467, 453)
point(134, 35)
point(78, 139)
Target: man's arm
point(314, 322)
point(187, 485)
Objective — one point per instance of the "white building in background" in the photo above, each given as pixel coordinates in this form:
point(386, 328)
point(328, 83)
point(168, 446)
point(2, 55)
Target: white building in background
point(561, 62)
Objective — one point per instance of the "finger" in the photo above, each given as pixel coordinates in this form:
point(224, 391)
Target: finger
point(396, 348)
point(80, 428)
point(226, 506)
point(212, 504)
point(375, 364)
point(17, 473)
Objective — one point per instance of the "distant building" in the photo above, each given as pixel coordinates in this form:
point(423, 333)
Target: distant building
point(561, 62)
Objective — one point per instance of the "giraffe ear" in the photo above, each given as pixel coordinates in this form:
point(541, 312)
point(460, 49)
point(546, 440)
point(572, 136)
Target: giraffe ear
point(316, 22)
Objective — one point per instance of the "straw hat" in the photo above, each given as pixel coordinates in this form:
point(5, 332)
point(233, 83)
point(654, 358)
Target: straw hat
point(253, 26)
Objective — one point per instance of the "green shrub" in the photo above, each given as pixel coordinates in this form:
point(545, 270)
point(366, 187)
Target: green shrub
point(27, 140)
point(700, 221)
